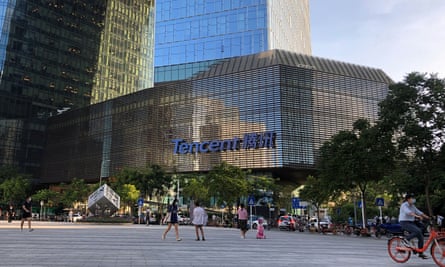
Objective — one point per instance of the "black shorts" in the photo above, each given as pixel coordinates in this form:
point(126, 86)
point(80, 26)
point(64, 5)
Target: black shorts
point(242, 224)
point(26, 215)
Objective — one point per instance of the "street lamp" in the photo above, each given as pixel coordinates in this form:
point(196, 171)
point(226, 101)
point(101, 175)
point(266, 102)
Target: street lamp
point(41, 209)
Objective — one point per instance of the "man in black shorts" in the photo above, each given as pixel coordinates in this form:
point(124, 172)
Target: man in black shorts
point(27, 214)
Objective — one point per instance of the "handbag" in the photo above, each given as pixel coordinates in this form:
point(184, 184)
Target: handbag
point(167, 217)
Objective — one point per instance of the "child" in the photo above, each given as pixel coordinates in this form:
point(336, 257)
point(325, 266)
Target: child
point(260, 229)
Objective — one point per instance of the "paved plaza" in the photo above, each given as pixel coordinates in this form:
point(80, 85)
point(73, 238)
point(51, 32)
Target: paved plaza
point(62, 244)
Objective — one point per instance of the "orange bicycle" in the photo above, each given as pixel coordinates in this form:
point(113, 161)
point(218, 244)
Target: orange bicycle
point(400, 253)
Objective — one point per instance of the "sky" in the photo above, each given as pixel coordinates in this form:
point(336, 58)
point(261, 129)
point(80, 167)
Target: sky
point(397, 36)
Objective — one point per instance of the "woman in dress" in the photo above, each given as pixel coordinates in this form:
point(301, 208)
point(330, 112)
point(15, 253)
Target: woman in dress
point(173, 210)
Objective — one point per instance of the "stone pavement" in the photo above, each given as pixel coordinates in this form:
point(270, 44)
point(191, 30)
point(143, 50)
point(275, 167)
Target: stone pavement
point(61, 244)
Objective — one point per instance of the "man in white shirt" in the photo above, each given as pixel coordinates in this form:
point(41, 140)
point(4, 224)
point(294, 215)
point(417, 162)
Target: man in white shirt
point(408, 213)
point(200, 218)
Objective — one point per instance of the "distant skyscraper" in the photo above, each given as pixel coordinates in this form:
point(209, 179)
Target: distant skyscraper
point(58, 54)
point(189, 31)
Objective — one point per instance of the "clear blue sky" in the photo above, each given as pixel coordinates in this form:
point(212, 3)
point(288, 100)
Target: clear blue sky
point(397, 36)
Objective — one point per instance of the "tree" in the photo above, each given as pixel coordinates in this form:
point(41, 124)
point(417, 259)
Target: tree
point(129, 195)
point(262, 186)
point(7, 172)
point(76, 191)
point(155, 181)
point(315, 192)
point(16, 189)
point(194, 187)
point(414, 113)
point(47, 195)
point(227, 183)
point(354, 159)
point(149, 181)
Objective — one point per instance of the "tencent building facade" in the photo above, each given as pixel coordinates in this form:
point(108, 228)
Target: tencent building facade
point(268, 112)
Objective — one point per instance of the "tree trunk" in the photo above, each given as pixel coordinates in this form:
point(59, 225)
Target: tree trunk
point(427, 195)
point(318, 217)
point(363, 209)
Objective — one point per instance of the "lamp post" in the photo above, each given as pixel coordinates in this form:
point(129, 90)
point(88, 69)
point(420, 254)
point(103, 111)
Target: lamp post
point(41, 209)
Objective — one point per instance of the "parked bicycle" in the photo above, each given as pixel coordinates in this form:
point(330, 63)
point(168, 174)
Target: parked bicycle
point(401, 253)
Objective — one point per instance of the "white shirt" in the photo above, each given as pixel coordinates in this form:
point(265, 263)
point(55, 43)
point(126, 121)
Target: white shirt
point(405, 210)
point(199, 216)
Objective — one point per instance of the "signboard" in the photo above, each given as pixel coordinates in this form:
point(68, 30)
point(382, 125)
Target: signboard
point(248, 141)
point(251, 200)
point(295, 203)
point(359, 204)
point(380, 202)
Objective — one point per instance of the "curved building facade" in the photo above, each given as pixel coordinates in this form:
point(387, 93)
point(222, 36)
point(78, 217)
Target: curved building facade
point(269, 112)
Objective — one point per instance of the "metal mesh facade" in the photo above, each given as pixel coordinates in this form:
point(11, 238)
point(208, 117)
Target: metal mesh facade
point(303, 107)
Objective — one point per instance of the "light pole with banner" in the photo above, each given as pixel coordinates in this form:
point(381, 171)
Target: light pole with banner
point(140, 204)
point(41, 209)
point(380, 202)
point(251, 202)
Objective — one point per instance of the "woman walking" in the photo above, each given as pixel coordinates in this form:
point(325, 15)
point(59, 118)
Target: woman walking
point(242, 220)
point(199, 220)
point(172, 211)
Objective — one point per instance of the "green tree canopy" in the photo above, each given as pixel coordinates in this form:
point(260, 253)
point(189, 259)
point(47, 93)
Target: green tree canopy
point(354, 159)
point(227, 183)
point(316, 193)
point(14, 186)
point(150, 181)
point(15, 189)
point(195, 187)
point(47, 195)
point(414, 113)
point(76, 191)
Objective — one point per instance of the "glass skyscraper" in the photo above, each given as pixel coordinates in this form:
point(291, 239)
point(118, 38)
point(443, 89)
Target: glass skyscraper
point(192, 31)
point(57, 55)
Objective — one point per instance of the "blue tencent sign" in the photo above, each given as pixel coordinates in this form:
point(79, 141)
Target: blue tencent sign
point(249, 141)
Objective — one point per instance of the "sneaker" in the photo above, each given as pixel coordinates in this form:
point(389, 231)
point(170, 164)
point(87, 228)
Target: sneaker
point(179, 239)
point(203, 239)
point(197, 239)
point(163, 237)
point(31, 230)
point(406, 243)
point(423, 256)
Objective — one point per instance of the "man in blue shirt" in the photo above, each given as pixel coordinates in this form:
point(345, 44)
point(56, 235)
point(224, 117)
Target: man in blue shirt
point(408, 213)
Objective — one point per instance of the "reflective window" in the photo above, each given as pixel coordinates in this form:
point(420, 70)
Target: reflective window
point(303, 107)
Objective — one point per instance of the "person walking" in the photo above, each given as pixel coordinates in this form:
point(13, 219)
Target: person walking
point(200, 218)
point(173, 220)
point(10, 213)
point(27, 214)
point(147, 216)
point(242, 220)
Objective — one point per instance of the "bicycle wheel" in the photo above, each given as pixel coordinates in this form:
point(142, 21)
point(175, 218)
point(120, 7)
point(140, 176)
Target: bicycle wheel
point(438, 252)
point(397, 251)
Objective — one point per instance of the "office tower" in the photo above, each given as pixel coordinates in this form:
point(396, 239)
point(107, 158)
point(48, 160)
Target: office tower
point(57, 55)
point(191, 31)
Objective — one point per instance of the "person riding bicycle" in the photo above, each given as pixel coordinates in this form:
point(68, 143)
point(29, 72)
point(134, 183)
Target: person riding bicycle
point(408, 213)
